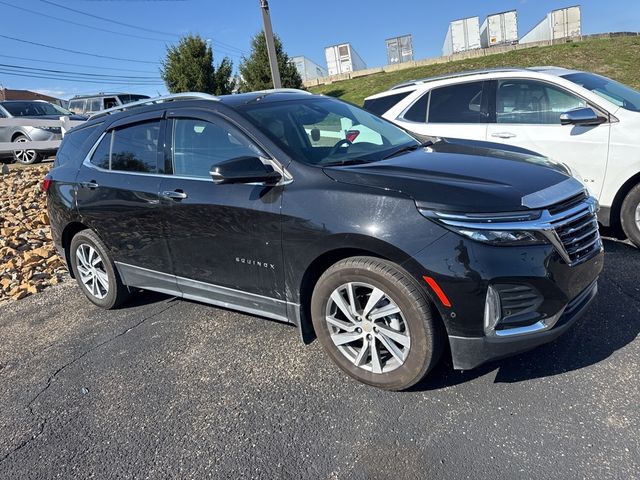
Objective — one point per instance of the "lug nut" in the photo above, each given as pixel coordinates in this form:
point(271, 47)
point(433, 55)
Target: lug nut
point(359, 330)
point(368, 336)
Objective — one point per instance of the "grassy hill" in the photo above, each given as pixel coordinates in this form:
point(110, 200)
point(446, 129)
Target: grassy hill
point(617, 58)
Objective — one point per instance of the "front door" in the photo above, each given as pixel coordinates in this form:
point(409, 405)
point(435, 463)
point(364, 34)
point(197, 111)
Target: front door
point(225, 240)
point(528, 116)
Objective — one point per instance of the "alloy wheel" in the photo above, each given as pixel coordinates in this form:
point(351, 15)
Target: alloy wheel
point(92, 270)
point(367, 327)
point(24, 156)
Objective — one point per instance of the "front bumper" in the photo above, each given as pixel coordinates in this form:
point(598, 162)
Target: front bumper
point(471, 352)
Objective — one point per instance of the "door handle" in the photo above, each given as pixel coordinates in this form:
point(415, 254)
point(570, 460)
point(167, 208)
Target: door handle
point(92, 184)
point(174, 194)
point(503, 135)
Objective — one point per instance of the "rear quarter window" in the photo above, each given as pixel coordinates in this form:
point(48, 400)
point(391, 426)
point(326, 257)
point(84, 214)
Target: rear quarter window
point(380, 106)
point(75, 145)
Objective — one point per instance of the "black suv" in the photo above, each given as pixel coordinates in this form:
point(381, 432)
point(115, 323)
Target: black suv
point(306, 209)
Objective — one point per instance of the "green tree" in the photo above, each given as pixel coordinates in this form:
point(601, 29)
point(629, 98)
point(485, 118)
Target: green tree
point(255, 72)
point(188, 67)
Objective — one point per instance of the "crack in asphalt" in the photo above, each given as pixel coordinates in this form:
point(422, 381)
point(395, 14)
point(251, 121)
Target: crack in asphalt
point(52, 377)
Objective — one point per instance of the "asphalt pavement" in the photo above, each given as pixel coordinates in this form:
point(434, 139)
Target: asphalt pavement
point(166, 388)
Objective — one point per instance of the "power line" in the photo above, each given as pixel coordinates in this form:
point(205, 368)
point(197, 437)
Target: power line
point(109, 19)
point(76, 51)
point(77, 80)
point(99, 67)
point(137, 27)
point(87, 74)
point(46, 15)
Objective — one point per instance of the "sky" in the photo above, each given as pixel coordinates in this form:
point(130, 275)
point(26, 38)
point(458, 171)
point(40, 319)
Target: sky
point(86, 47)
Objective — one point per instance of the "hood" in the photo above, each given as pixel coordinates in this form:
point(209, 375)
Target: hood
point(459, 177)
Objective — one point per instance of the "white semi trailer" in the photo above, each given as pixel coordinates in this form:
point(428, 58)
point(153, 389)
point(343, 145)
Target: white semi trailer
point(561, 23)
point(499, 29)
point(462, 35)
point(342, 58)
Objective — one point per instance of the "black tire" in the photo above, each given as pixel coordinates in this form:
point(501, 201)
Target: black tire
point(117, 292)
point(415, 312)
point(630, 215)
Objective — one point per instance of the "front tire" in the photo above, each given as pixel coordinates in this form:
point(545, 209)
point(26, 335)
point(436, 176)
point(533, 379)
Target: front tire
point(375, 323)
point(26, 157)
point(95, 272)
point(630, 215)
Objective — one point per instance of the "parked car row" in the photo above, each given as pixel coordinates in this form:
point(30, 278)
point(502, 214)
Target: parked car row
point(586, 121)
point(309, 210)
point(80, 107)
point(30, 109)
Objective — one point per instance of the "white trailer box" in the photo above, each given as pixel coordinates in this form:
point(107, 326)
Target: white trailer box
point(308, 69)
point(399, 49)
point(561, 23)
point(463, 35)
point(342, 58)
point(499, 29)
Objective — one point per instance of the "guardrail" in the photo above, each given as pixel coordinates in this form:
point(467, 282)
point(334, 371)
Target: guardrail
point(64, 123)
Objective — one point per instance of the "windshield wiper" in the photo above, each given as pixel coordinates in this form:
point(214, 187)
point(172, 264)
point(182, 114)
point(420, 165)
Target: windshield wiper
point(348, 161)
point(408, 148)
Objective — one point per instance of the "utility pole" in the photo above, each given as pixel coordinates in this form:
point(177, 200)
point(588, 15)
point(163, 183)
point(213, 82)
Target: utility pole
point(271, 48)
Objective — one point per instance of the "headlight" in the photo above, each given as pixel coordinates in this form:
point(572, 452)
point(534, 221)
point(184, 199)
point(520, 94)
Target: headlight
point(514, 228)
point(51, 129)
point(499, 237)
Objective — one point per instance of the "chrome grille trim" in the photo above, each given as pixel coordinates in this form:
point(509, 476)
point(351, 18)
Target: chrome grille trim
point(573, 231)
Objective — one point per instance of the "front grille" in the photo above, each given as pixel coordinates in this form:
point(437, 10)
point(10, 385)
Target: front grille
point(577, 230)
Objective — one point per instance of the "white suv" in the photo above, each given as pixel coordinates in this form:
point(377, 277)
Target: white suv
point(588, 122)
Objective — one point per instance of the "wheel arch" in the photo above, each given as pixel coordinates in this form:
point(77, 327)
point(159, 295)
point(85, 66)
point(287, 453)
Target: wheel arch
point(19, 133)
point(373, 248)
point(70, 231)
point(616, 205)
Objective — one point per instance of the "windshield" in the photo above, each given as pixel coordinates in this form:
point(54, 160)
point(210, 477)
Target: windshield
point(323, 131)
point(615, 92)
point(30, 109)
point(129, 98)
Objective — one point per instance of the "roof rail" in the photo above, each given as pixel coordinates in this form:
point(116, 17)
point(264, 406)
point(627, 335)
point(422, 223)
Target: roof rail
point(283, 90)
point(151, 101)
point(454, 75)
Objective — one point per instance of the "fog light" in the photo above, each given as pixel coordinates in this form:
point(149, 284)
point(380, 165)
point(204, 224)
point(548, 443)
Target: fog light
point(492, 311)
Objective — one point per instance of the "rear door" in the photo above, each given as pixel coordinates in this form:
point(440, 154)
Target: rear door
point(455, 111)
point(528, 116)
point(225, 240)
point(118, 198)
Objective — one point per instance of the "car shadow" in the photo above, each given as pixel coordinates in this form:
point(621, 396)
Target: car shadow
point(611, 322)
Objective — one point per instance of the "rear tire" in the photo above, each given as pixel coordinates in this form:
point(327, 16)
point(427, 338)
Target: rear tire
point(630, 215)
point(95, 272)
point(26, 157)
point(365, 306)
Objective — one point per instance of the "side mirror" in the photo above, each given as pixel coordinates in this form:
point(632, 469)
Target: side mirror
point(583, 116)
point(244, 170)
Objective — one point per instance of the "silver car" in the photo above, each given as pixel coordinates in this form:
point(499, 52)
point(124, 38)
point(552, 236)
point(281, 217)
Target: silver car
point(20, 134)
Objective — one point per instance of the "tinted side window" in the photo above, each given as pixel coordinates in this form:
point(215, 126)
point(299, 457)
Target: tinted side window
point(96, 105)
point(531, 102)
point(100, 157)
point(71, 146)
point(135, 148)
point(381, 105)
point(76, 106)
point(418, 111)
point(457, 104)
point(198, 145)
